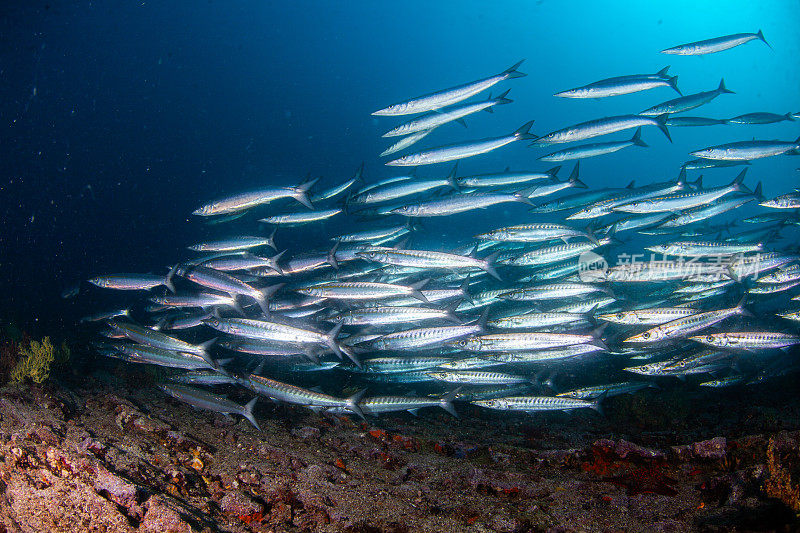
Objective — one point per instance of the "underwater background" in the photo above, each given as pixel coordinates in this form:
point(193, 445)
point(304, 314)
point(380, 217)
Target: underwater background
point(120, 118)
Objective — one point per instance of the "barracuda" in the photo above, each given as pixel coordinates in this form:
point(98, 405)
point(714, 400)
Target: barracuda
point(285, 392)
point(455, 152)
point(364, 290)
point(455, 114)
point(448, 97)
point(683, 201)
point(717, 44)
point(537, 403)
point(748, 340)
point(478, 377)
point(425, 259)
point(213, 402)
point(647, 317)
point(684, 327)
point(252, 199)
point(541, 232)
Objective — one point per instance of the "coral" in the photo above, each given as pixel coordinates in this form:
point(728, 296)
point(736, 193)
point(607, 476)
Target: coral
point(36, 361)
point(783, 465)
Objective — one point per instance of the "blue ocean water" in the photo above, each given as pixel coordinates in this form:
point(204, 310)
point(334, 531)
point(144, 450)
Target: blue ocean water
point(121, 118)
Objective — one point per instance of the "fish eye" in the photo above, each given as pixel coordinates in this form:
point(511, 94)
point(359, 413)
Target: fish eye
point(620, 315)
point(710, 338)
point(646, 335)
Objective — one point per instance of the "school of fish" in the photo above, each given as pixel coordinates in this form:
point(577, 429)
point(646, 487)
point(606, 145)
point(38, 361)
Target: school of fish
point(505, 320)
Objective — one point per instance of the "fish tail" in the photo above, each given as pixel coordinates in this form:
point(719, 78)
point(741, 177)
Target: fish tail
point(168, 279)
point(500, 100)
point(523, 131)
point(573, 177)
point(673, 82)
point(330, 339)
point(722, 89)
point(661, 122)
point(637, 138)
point(332, 256)
point(451, 178)
point(300, 193)
point(352, 403)
point(740, 309)
point(738, 185)
point(488, 265)
point(247, 412)
point(512, 72)
point(415, 290)
point(760, 36)
point(446, 401)
point(271, 239)
point(758, 193)
point(597, 403)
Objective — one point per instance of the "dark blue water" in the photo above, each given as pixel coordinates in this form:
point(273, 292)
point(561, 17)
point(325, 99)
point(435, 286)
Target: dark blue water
point(118, 119)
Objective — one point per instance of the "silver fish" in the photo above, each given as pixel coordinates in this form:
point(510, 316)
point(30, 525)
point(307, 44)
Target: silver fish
point(440, 99)
point(454, 152)
point(717, 44)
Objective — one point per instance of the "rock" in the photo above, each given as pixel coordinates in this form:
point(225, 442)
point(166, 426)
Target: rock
point(116, 489)
point(306, 432)
point(237, 504)
point(715, 448)
point(624, 448)
point(681, 453)
point(160, 518)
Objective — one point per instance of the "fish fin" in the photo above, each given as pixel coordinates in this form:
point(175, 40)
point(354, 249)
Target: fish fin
point(352, 356)
point(204, 346)
point(247, 412)
point(698, 183)
point(789, 116)
point(661, 121)
point(265, 294)
point(168, 279)
point(488, 265)
point(330, 339)
point(738, 185)
point(758, 193)
point(271, 239)
point(663, 72)
point(760, 36)
point(332, 256)
point(415, 290)
point(300, 192)
point(462, 121)
point(465, 289)
point(573, 177)
point(274, 263)
point(161, 324)
point(311, 356)
point(414, 411)
point(451, 178)
point(631, 185)
point(637, 138)
point(740, 307)
point(359, 175)
point(446, 402)
point(523, 133)
point(722, 89)
point(673, 82)
point(500, 100)
point(451, 309)
point(597, 403)
point(352, 403)
point(552, 172)
point(512, 72)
